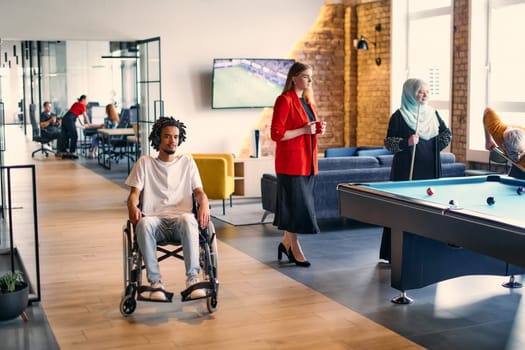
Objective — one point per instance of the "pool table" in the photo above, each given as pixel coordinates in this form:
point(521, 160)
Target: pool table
point(433, 240)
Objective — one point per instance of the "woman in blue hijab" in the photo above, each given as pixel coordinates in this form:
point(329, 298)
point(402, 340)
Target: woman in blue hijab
point(432, 135)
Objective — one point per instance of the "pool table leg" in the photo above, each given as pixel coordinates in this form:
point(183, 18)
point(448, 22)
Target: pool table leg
point(396, 255)
point(402, 298)
point(512, 283)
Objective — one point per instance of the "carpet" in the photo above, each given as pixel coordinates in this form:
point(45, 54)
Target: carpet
point(245, 211)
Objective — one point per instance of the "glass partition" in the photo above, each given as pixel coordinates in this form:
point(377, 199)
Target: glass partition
point(149, 87)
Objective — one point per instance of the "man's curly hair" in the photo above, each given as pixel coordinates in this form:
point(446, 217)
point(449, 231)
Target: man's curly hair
point(161, 123)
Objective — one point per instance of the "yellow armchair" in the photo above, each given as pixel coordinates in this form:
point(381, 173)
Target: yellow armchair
point(217, 175)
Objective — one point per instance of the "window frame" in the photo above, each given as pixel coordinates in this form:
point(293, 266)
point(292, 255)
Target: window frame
point(401, 23)
point(480, 62)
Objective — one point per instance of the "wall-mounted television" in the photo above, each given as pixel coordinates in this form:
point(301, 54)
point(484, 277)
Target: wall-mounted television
point(248, 82)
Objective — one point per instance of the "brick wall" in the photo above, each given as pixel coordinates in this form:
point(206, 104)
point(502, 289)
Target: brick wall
point(350, 101)
point(323, 47)
point(373, 81)
point(460, 79)
point(352, 91)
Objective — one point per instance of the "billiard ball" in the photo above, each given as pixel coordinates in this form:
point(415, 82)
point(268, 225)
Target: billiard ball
point(452, 203)
point(520, 190)
point(429, 191)
point(491, 200)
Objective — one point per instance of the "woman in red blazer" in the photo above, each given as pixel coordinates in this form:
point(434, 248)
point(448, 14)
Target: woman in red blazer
point(294, 129)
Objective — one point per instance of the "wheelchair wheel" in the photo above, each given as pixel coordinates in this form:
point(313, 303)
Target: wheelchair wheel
point(212, 300)
point(214, 255)
point(127, 305)
point(211, 303)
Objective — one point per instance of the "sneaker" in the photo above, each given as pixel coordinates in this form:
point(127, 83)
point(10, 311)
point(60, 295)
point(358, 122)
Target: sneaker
point(157, 295)
point(197, 293)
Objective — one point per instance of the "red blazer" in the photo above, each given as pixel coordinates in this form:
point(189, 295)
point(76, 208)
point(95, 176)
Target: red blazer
point(295, 156)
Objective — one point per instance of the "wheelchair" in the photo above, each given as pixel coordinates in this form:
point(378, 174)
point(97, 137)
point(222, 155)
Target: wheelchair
point(133, 266)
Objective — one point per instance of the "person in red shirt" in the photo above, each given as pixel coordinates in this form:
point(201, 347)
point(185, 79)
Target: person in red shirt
point(294, 129)
point(69, 136)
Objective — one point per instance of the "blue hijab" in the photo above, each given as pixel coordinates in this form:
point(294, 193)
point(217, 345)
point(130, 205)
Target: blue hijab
point(428, 126)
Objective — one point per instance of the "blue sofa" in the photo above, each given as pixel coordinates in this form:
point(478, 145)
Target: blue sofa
point(356, 151)
point(355, 169)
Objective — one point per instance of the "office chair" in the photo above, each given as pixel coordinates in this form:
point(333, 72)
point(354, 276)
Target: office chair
point(37, 137)
point(119, 144)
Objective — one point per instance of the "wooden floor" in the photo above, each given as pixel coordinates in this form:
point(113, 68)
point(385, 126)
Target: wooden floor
point(80, 221)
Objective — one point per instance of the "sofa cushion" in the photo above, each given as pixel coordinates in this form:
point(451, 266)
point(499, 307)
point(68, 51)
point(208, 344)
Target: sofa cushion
point(447, 157)
point(373, 152)
point(269, 192)
point(326, 197)
point(353, 175)
point(452, 169)
point(386, 160)
point(340, 152)
point(342, 163)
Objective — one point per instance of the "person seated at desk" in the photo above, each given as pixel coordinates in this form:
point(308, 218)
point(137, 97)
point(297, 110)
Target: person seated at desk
point(166, 184)
point(110, 122)
point(49, 124)
point(510, 139)
point(69, 135)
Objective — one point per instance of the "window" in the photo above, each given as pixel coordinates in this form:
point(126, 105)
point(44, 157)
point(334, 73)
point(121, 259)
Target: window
point(421, 42)
point(496, 69)
point(429, 57)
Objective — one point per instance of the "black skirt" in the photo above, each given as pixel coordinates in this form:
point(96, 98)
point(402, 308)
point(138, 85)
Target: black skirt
point(295, 210)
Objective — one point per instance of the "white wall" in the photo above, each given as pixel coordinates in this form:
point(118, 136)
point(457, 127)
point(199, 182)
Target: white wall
point(192, 33)
point(88, 74)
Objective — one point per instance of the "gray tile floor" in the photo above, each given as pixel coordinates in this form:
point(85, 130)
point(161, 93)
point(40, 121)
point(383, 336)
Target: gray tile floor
point(463, 313)
point(35, 334)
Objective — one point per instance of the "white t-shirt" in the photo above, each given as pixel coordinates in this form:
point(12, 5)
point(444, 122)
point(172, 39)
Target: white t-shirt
point(166, 187)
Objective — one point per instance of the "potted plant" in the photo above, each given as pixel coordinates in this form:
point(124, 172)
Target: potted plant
point(14, 295)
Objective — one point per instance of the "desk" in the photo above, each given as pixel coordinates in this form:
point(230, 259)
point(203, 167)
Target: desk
point(104, 157)
point(431, 241)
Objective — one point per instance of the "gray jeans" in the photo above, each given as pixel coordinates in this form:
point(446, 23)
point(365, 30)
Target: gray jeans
point(151, 230)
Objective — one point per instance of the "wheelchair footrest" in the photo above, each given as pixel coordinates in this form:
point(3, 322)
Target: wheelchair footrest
point(208, 286)
point(142, 289)
point(168, 300)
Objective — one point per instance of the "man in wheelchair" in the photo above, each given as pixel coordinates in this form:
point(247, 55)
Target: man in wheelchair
point(165, 187)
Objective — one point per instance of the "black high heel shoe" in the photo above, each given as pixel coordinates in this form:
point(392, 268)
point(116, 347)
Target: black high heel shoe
point(305, 263)
point(280, 250)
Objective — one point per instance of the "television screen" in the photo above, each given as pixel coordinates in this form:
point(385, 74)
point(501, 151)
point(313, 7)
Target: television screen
point(248, 82)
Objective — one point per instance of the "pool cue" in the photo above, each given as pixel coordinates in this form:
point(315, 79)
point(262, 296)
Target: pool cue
point(414, 147)
point(502, 153)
